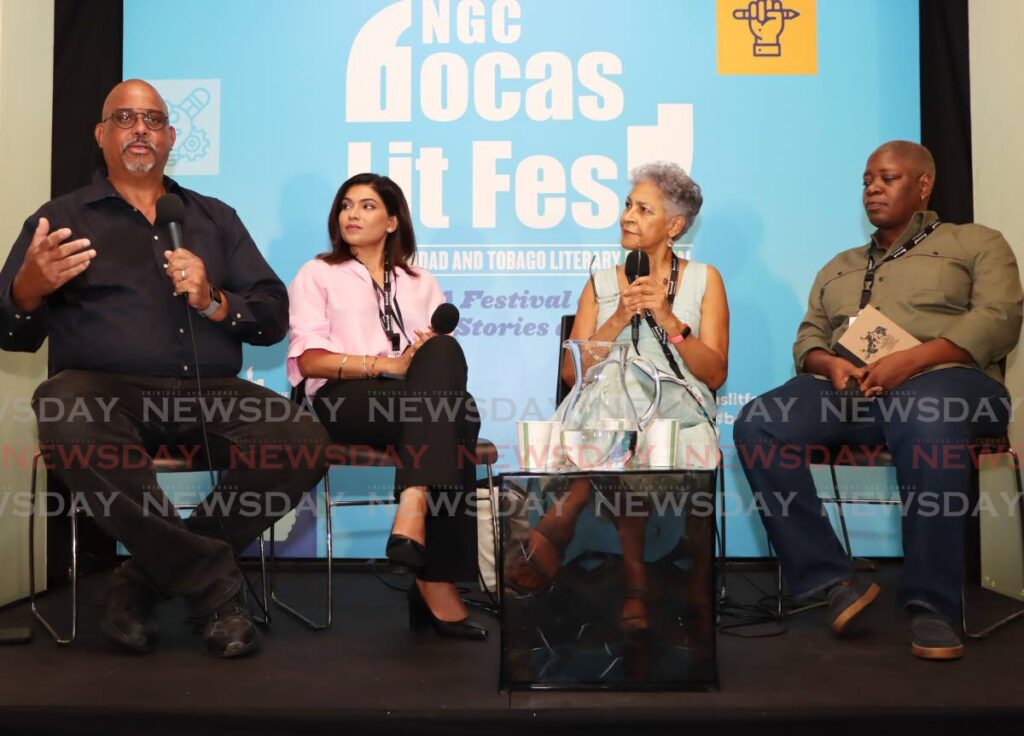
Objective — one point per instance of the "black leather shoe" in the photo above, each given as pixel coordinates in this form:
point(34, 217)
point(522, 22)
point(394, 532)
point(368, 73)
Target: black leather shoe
point(405, 552)
point(230, 631)
point(421, 616)
point(128, 613)
point(933, 637)
point(847, 601)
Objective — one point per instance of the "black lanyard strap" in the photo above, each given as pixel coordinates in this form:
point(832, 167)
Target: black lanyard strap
point(660, 333)
point(869, 273)
point(391, 314)
point(670, 353)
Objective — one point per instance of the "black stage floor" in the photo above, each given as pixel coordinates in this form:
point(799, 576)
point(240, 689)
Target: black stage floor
point(371, 673)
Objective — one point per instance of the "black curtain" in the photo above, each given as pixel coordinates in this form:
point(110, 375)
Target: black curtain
point(87, 60)
point(946, 105)
point(87, 63)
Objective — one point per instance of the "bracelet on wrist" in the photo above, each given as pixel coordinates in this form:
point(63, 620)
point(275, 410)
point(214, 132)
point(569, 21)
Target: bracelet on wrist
point(341, 366)
point(364, 367)
point(683, 334)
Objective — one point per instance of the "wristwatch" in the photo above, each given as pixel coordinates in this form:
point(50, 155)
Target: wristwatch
point(681, 336)
point(214, 304)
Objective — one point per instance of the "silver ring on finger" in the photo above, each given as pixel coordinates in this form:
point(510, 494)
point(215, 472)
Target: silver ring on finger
point(184, 274)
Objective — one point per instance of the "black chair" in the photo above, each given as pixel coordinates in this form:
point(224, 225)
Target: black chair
point(174, 464)
point(486, 454)
point(850, 456)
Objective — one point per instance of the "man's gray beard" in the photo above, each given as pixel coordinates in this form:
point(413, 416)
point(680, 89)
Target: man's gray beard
point(139, 167)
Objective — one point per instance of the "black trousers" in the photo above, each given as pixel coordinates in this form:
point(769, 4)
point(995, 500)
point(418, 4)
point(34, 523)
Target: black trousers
point(98, 431)
point(431, 424)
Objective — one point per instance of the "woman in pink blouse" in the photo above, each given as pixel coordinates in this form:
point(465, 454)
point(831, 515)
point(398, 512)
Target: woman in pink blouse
point(361, 339)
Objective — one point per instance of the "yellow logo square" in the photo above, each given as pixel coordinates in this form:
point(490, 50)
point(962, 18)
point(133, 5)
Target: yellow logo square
point(767, 37)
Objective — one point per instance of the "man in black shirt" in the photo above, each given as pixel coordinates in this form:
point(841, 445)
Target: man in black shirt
point(93, 272)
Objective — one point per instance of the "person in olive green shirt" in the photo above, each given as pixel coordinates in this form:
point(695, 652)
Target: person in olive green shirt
point(955, 288)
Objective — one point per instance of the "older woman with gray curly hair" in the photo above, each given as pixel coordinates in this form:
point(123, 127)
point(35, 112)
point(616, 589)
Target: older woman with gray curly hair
point(684, 328)
point(684, 331)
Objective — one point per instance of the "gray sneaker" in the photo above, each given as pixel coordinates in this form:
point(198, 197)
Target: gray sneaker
point(846, 601)
point(933, 637)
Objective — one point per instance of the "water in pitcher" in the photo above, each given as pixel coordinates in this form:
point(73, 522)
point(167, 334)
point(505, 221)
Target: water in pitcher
point(610, 446)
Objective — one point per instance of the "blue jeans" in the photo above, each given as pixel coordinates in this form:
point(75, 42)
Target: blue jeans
point(927, 423)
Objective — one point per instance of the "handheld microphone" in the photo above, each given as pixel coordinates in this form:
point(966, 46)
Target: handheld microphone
point(170, 211)
point(637, 265)
point(445, 319)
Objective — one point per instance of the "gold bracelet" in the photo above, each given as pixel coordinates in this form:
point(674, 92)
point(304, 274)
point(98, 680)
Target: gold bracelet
point(341, 367)
point(364, 367)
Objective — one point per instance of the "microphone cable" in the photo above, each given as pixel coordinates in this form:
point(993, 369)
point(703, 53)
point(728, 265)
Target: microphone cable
point(170, 212)
point(209, 466)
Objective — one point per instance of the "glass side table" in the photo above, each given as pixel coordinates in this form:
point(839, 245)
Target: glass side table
point(607, 580)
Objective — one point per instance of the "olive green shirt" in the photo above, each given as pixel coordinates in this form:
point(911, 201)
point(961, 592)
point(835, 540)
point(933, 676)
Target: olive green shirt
point(960, 283)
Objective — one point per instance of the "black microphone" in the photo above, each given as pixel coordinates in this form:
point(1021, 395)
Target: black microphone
point(444, 319)
point(170, 211)
point(637, 264)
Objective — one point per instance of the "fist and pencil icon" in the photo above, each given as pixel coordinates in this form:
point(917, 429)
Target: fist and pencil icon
point(766, 19)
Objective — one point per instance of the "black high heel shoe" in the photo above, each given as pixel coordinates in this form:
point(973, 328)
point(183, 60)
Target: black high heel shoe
point(405, 552)
point(421, 616)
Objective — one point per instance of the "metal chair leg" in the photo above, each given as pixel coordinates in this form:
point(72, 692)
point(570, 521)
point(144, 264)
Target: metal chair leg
point(302, 618)
point(780, 611)
point(264, 619)
point(492, 495)
point(57, 638)
point(722, 548)
point(985, 632)
point(720, 476)
point(839, 508)
point(778, 590)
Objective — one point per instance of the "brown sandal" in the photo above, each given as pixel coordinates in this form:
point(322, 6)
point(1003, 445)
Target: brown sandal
point(523, 573)
point(636, 621)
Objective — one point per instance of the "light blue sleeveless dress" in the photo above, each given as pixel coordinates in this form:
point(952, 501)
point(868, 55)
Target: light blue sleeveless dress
point(694, 406)
point(676, 402)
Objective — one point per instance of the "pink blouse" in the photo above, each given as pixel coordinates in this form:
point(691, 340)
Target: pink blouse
point(334, 307)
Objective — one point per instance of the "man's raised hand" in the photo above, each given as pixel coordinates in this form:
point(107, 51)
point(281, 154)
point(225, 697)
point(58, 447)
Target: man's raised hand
point(49, 263)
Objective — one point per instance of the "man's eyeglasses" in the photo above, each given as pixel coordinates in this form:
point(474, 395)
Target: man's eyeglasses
point(125, 117)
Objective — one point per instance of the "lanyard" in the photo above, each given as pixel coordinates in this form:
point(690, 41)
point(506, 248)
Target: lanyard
point(392, 313)
point(869, 274)
point(669, 353)
point(656, 328)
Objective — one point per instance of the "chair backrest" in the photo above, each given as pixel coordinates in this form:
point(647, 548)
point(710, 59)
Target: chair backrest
point(562, 389)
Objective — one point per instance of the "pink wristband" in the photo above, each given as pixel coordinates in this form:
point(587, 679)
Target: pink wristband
point(681, 336)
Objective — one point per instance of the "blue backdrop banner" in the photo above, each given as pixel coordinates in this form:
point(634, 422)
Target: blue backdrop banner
point(512, 126)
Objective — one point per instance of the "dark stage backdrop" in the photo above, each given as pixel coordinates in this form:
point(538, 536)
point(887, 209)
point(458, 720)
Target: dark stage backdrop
point(946, 105)
point(87, 62)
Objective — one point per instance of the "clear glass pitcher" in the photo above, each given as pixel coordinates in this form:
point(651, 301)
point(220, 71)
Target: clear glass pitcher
point(600, 425)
